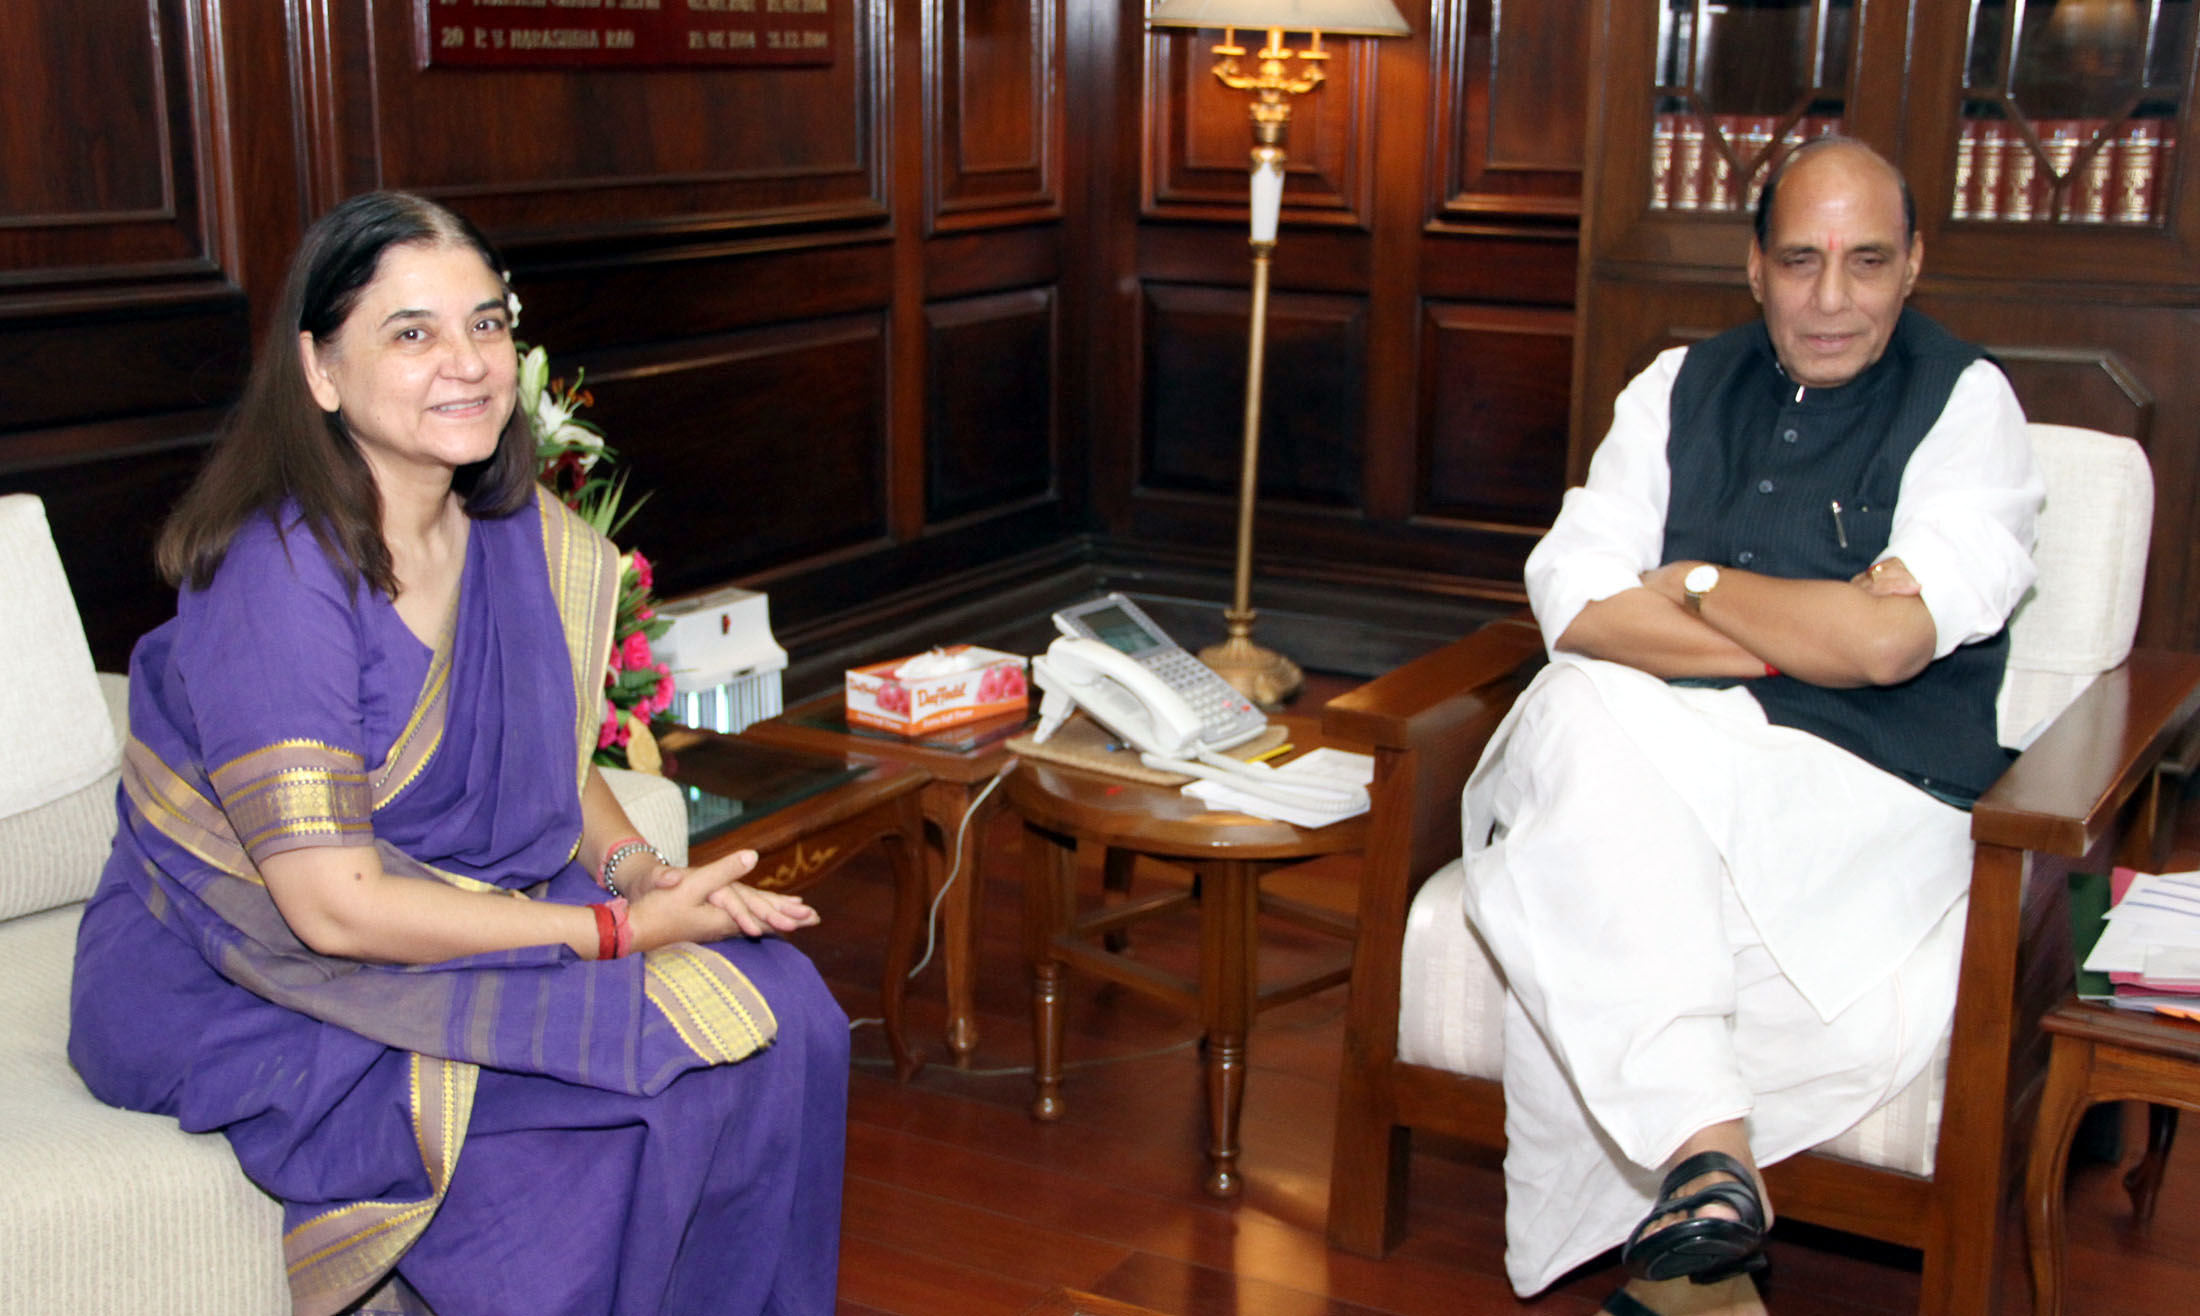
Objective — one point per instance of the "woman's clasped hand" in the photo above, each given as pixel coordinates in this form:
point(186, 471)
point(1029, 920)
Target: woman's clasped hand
point(710, 902)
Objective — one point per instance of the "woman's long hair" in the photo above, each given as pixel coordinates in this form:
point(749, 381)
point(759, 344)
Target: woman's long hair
point(278, 445)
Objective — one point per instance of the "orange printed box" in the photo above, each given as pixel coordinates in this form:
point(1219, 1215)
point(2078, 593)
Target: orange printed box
point(943, 688)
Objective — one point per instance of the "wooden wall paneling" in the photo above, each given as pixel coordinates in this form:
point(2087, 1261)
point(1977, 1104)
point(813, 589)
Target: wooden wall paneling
point(1393, 293)
point(123, 328)
point(1199, 138)
point(161, 355)
point(996, 114)
point(990, 402)
point(2119, 367)
point(757, 449)
point(1530, 267)
point(1108, 83)
point(588, 298)
point(102, 145)
point(105, 512)
point(991, 260)
point(908, 102)
point(1312, 411)
point(1510, 123)
point(1494, 388)
point(2089, 386)
point(551, 156)
point(1624, 330)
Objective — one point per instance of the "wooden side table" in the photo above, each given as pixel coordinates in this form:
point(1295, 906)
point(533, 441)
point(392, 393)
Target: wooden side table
point(805, 815)
point(958, 763)
point(1228, 853)
point(2100, 1054)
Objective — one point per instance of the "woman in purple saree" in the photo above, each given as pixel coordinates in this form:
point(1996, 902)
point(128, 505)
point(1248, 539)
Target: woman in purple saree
point(352, 918)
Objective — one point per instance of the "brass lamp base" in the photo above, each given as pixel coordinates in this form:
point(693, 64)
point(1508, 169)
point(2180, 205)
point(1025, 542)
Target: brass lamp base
point(1261, 675)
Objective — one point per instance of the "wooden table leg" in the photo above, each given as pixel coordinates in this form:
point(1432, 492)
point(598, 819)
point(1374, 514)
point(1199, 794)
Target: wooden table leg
point(904, 852)
point(1050, 893)
point(2144, 1181)
point(1116, 867)
point(2062, 1102)
point(946, 804)
point(1229, 962)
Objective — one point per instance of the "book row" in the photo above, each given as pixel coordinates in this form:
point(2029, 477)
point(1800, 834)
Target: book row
point(2080, 171)
point(1719, 161)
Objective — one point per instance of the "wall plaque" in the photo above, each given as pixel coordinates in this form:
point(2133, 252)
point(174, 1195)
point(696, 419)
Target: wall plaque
point(602, 34)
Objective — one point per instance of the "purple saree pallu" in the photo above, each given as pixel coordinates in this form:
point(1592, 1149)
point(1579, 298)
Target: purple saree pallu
point(523, 1132)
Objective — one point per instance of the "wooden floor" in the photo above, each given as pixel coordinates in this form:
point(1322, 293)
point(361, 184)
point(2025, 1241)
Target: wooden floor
point(959, 1204)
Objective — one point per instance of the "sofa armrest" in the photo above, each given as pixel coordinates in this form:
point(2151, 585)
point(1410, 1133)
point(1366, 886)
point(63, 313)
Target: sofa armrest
point(657, 808)
point(2065, 792)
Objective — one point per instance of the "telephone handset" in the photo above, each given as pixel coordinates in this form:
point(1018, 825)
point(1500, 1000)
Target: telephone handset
point(1118, 692)
point(1126, 672)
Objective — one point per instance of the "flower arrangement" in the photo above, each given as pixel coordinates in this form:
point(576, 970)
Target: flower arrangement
point(573, 458)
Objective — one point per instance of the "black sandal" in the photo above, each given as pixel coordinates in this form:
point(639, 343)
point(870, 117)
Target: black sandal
point(1706, 1249)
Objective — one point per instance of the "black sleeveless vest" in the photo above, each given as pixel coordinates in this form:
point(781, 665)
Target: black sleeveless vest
point(1759, 466)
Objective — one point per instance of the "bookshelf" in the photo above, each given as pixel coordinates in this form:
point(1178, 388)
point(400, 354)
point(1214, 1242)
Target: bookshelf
point(1736, 86)
point(2069, 111)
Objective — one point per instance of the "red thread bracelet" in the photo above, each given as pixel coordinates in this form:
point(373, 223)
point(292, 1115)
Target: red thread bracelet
point(1770, 670)
point(624, 929)
point(607, 932)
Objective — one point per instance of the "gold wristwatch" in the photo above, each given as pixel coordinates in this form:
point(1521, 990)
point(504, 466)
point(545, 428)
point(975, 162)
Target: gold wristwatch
point(1700, 580)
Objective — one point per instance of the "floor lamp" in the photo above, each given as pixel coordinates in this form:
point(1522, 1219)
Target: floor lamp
point(1280, 73)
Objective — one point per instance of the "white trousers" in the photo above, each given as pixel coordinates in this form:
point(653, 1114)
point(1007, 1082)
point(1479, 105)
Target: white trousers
point(1629, 844)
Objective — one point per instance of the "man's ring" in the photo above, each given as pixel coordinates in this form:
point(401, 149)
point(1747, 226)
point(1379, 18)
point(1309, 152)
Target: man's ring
point(1878, 567)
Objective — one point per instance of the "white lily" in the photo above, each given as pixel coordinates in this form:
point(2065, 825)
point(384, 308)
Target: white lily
point(534, 374)
point(585, 442)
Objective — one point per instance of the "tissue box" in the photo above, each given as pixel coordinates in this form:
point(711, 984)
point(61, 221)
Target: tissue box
point(915, 706)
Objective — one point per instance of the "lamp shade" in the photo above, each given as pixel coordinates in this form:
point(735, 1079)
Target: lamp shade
point(1352, 18)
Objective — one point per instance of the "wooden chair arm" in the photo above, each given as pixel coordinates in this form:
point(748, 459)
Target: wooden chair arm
point(2063, 794)
point(1432, 696)
point(1426, 723)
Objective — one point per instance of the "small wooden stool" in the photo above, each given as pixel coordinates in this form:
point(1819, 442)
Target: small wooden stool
point(2100, 1054)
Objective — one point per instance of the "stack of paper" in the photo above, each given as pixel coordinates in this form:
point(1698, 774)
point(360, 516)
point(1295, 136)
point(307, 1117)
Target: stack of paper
point(1332, 766)
point(2150, 946)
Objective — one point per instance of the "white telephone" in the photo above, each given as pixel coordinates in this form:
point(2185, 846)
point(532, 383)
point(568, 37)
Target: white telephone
point(1120, 694)
point(1121, 689)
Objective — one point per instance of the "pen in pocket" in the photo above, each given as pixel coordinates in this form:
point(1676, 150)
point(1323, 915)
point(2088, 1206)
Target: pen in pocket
point(1840, 532)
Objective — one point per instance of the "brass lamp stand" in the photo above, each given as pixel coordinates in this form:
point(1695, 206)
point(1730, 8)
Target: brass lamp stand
point(1260, 674)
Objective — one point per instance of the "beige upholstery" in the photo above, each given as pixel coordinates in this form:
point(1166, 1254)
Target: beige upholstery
point(108, 1210)
point(2077, 622)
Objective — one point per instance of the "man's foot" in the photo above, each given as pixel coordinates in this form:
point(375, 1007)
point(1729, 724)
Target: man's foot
point(1708, 1223)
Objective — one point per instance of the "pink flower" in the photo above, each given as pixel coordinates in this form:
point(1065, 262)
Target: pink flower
point(645, 613)
point(609, 734)
point(634, 652)
point(644, 576)
point(663, 698)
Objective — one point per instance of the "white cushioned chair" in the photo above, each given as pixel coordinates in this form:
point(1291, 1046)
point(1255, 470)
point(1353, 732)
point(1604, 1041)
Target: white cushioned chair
point(108, 1210)
point(1934, 1168)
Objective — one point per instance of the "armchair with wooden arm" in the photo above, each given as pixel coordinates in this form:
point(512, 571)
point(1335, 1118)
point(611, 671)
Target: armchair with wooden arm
point(1938, 1166)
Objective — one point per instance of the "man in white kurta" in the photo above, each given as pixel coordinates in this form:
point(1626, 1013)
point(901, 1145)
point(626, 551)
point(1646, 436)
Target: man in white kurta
point(1721, 933)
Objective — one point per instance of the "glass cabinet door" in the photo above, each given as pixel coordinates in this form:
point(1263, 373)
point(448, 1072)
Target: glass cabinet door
point(1736, 83)
point(2069, 111)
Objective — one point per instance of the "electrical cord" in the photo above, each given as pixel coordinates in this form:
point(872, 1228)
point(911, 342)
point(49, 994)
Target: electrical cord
point(954, 867)
point(954, 874)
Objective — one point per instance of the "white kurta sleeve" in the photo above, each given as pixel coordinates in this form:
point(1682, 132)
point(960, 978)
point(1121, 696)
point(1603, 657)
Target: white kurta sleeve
point(1611, 529)
point(1963, 523)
